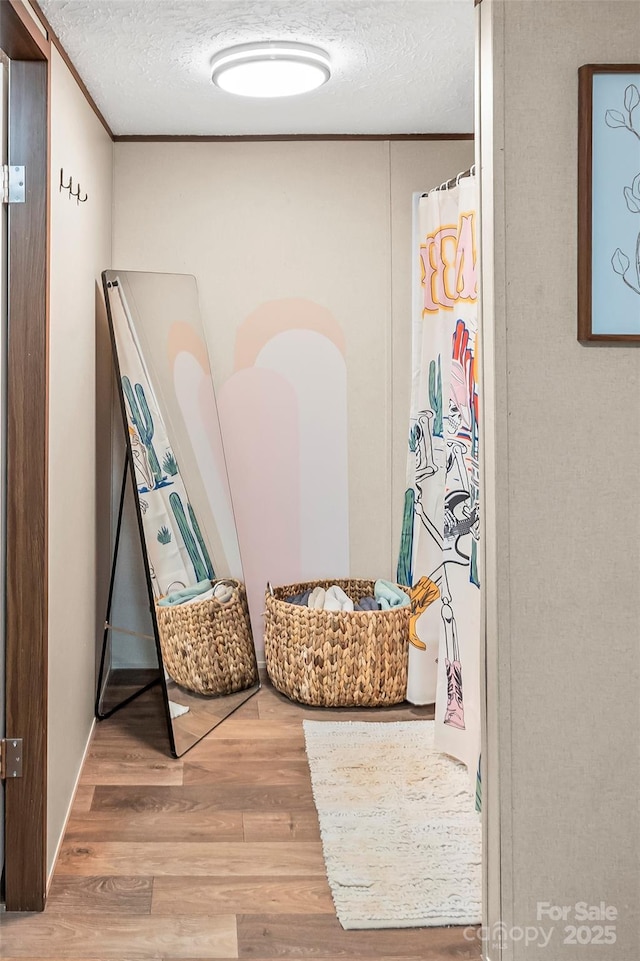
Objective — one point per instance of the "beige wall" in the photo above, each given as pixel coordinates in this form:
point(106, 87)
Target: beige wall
point(329, 222)
point(563, 530)
point(80, 250)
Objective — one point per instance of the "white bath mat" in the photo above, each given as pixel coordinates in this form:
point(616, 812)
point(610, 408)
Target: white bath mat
point(400, 834)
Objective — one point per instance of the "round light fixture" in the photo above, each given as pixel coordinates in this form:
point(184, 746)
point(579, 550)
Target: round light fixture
point(270, 69)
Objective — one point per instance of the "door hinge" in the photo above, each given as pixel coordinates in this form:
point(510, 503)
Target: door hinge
point(10, 758)
point(13, 184)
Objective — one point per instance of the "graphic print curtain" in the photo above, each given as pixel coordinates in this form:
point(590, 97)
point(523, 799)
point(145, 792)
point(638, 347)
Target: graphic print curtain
point(440, 537)
point(176, 550)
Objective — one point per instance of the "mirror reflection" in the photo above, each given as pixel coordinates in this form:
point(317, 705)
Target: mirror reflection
point(177, 603)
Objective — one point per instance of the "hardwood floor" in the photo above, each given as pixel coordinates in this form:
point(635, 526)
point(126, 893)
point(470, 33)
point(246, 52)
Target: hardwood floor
point(215, 855)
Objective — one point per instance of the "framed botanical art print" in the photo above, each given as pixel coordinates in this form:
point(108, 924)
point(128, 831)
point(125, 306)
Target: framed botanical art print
point(609, 203)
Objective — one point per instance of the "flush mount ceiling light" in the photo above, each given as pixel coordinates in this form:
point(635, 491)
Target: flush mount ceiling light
point(270, 69)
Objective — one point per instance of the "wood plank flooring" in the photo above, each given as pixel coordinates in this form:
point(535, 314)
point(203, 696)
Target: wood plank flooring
point(215, 855)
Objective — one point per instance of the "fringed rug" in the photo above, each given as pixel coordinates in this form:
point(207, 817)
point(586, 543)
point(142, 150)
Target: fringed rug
point(400, 834)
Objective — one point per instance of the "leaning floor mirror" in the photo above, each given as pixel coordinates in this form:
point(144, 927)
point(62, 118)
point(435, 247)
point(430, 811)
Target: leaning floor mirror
point(177, 612)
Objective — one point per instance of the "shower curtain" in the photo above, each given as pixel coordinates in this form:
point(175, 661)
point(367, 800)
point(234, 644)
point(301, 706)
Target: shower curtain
point(440, 535)
point(177, 553)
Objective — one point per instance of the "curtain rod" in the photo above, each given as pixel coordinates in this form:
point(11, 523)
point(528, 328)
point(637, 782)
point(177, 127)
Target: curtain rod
point(454, 181)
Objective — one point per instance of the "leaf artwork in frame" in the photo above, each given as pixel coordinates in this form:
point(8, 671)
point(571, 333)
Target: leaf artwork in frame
point(609, 203)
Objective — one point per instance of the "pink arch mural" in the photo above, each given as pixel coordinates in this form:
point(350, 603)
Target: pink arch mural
point(284, 421)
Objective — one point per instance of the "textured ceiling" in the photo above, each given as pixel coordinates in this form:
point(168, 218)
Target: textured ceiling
point(399, 66)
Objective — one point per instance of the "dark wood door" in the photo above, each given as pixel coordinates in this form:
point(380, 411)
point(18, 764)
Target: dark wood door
point(26, 435)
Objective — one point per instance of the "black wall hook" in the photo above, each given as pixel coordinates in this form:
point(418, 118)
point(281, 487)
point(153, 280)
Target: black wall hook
point(72, 193)
point(63, 185)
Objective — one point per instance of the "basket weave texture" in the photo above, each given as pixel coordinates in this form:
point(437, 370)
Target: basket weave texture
point(336, 658)
point(207, 646)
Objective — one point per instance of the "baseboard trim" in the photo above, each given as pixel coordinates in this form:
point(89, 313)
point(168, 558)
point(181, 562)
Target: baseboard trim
point(71, 802)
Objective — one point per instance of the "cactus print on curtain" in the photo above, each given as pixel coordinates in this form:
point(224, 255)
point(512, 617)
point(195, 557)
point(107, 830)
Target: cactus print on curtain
point(440, 537)
point(177, 552)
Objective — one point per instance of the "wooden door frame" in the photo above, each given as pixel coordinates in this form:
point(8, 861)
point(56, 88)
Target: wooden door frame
point(27, 455)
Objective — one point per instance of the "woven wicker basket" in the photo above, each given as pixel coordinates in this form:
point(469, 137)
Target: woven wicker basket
point(336, 658)
point(207, 646)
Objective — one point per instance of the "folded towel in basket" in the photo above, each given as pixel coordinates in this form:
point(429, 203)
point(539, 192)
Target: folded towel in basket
point(367, 604)
point(302, 600)
point(389, 595)
point(316, 598)
point(336, 600)
point(186, 594)
point(202, 591)
point(333, 599)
